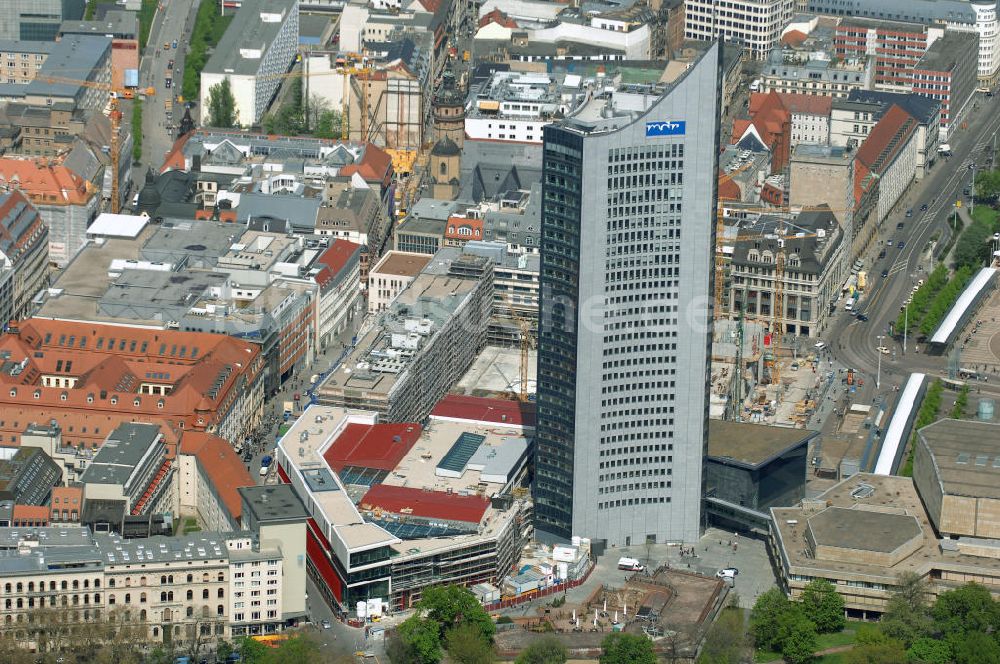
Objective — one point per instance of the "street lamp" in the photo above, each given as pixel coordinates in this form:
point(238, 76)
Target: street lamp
point(906, 317)
point(878, 373)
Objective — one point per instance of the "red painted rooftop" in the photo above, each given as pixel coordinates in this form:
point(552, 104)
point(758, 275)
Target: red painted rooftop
point(485, 409)
point(427, 504)
point(379, 446)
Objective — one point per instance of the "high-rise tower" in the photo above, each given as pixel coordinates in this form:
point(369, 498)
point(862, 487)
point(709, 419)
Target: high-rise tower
point(628, 236)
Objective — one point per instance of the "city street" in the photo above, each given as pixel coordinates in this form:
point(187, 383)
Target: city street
point(299, 382)
point(173, 21)
point(852, 342)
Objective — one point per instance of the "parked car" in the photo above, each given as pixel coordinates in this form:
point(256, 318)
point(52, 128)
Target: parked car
point(899, 226)
point(170, 65)
point(902, 244)
point(862, 318)
point(923, 208)
point(727, 573)
point(174, 45)
point(326, 624)
point(909, 213)
point(885, 273)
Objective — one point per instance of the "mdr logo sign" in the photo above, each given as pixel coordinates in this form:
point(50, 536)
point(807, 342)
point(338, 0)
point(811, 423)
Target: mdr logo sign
point(665, 128)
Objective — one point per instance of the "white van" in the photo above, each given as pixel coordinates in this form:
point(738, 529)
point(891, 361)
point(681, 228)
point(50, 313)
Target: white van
point(819, 346)
point(263, 471)
point(630, 564)
point(849, 305)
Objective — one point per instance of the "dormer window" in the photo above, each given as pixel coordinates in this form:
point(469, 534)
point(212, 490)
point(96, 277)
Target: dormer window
point(38, 394)
point(136, 402)
point(63, 396)
point(13, 392)
point(114, 400)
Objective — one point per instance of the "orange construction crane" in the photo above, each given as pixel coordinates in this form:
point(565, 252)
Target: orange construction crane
point(115, 115)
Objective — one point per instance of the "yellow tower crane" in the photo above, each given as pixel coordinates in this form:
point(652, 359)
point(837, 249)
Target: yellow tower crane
point(115, 114)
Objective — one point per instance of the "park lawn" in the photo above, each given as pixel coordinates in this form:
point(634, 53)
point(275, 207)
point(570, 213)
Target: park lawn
point(984, 213)
point(823, 641)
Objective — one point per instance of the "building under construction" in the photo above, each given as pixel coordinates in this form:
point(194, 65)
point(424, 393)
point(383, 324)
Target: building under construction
point(421, 344)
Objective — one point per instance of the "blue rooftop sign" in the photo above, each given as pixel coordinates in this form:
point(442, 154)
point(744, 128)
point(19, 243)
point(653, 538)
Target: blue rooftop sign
point(666, 128)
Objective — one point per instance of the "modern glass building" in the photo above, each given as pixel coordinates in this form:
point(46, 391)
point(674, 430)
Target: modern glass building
point(628, 233)
point(37, 20)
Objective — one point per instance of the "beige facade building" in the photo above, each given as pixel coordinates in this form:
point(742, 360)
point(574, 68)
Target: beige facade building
point(205, 586)
point(867, 530)
point(391, 276)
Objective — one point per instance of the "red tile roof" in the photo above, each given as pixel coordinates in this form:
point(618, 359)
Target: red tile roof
point(375, 165)
point(44, 183)
point(174, 161)
point(811, 104)
point(729, 190)
point(427, 504)
point(793, 37)
point(886, 138)
point(484, 410)
point(455, 224)
point(379, 446)
point(335, 258)
point(497, 16)
point(222, 465)
point(108, 380)
point(36, 514)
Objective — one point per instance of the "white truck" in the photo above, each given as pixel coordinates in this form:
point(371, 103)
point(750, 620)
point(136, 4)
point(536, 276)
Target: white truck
point(944, 150)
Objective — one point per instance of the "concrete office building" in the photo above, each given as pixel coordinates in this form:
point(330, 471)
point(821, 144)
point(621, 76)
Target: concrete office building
point(975, 16)
point(37, 20)
point(132, 466)
point(757, 24)
point(947, 73)
point(259, 45)
point(620, 452)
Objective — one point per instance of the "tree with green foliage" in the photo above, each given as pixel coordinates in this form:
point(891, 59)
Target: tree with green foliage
point(465, 645)
point(798, 638)
point(926, 650)
point(223, 649)
point(769, 613)
point(421, 638)
point(621, 648)
point(328, 125)
point(967, 609)
point(975, 648)
point(824, 606)
point(726, 641)
point(209, 26)
point(907, 615)
point(221, 105)
point(450, 606)
point(136, 130)
point(988, 185)
point(252, 652)
point(546, 650)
